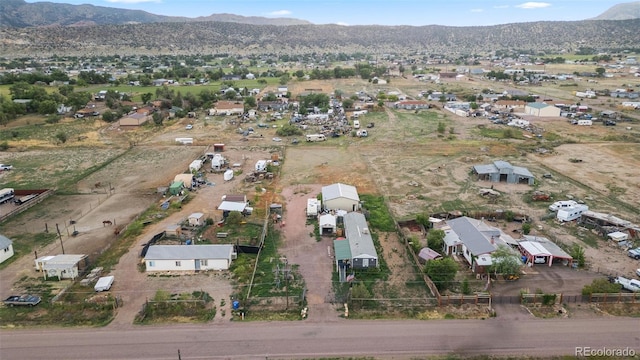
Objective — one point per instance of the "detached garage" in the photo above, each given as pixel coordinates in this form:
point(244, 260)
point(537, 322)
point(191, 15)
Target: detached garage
point(189, 257)
point(340, 197)
point(327, 224)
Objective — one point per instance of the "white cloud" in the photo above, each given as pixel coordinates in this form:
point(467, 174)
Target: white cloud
point(501, 7)
point(280, 13)
point(533, 5)
point(342, 24)
point(133, 1)
point(477, 10)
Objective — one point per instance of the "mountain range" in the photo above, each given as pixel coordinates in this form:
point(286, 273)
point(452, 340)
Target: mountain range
point(20, 14)
point(46, 29)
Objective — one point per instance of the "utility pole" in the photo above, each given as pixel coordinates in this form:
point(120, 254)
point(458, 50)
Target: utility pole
point(60, 236)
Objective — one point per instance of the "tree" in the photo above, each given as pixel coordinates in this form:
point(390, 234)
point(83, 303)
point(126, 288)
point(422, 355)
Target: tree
point(109, 116)
point(347, 103)
point(601, 286)
point(577, 253)
point(441, 272)
point(249, 102)
point(146, 97)
point(435, 239)
point(360, 291)
point(47, 107)
point(600, 71)
point(157, 117)
point(65, 90)
point(526, 228)
point(441, 127)
point(505, 262)
point(61, 137)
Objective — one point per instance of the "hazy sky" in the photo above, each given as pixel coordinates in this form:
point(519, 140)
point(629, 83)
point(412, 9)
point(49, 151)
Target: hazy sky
point(376, 12)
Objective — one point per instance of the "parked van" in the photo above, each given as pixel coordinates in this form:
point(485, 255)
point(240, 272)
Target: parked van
point(316, 137)
point(104, 283)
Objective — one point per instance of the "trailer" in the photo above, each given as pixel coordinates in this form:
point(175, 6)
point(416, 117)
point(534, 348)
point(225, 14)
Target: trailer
point(6, 195)
point(104, 283)
point(24, 199)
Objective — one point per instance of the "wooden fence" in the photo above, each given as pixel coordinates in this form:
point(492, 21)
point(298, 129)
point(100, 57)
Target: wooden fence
point(38, 199)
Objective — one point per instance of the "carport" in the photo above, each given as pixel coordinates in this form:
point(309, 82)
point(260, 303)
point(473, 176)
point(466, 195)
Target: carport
point(535, 246)
point(327, 224)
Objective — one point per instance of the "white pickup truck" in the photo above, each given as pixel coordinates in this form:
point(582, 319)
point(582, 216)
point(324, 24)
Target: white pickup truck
point(632, 285)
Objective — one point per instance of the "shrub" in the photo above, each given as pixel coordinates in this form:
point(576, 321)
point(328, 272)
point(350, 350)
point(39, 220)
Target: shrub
point(288, 130)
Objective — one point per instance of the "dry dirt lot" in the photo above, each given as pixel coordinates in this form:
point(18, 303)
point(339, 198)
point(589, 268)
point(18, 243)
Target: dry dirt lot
point(404, 160)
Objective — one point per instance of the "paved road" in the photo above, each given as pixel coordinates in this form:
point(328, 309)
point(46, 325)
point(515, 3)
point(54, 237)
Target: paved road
point(259, 340)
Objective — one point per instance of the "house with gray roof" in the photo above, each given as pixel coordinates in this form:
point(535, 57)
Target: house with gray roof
point(6, 248)
point(340, 197)
point(475, 240)
point(363, 251)
point(502, 171)
point(189, 257)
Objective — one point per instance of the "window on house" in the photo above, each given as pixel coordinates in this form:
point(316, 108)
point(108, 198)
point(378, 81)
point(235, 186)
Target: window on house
point(178, 264)
point(152, 263)
point(204, 262)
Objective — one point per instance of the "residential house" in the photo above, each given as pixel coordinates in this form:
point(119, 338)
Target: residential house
point(340, 197)
point(363, 251)
point(475, 240)
point(411, 104)
point(510, 105)
point(133, 120)
point(229, 108)
point(6, 248)
point(272, 105)
point(503, 171)
point(189, 257)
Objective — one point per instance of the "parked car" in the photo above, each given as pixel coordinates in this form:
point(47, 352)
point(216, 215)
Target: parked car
point(277, 139)
point(638, 272)
point(22, 300)
point(189, 127)
point(634, 253)
point(4, 167)
point(632, 285)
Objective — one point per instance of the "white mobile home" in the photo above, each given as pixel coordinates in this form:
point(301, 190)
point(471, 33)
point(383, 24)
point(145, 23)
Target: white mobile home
point(571, 213)
point(189, 257)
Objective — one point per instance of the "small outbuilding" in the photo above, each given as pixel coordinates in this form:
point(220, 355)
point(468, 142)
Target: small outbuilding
point(173, 230)
point(502, 171)
point(6, 248)
point(65, 266)
point(176, 187)
point(196, 219)
point(327, 224)
point(427, 254)
point(540, 250)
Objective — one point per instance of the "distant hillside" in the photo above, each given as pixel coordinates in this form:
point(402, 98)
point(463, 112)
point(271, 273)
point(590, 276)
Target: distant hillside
point(20, 14)
point(224, 37)
point(623, 11)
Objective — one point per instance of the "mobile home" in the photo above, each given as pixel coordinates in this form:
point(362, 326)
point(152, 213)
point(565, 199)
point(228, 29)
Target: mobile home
point(571, 213)
point(316, 137)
